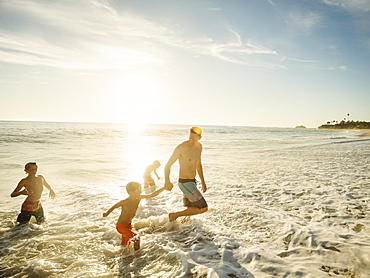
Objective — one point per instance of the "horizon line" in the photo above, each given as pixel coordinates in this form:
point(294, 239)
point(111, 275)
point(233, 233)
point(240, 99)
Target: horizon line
point(168, 123)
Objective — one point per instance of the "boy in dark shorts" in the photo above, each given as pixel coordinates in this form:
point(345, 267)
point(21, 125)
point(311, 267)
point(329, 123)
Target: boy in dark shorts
point(33, 186)
point(148, 179)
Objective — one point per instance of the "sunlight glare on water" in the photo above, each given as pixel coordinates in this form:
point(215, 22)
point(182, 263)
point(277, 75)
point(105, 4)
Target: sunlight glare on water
point(138, 150)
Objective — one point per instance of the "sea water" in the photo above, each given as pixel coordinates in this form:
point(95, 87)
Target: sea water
point(283, 202)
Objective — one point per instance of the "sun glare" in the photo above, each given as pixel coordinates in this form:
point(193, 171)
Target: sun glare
point(135, 98)
point(139, 152)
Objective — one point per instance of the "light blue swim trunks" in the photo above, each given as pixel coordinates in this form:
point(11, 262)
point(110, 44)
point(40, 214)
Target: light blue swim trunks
point(192, 196)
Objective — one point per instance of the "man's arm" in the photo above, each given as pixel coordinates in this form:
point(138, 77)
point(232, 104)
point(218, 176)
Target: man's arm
point(17, 191)
point(52, 194)
point(119, 204)
point(167, 169)
point(200, 174)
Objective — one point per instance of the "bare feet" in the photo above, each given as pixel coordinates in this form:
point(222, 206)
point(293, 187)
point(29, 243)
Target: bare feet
point(135, 243)
point(186, 219)
point(172, 217)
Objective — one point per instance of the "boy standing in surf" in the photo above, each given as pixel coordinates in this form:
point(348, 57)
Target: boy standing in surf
point(128, 211)
point(33, 186)
point(148, 179)
point(188, 154)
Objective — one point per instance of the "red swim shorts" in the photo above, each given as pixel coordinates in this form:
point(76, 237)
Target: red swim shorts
point(31, 205)
point(126, 231)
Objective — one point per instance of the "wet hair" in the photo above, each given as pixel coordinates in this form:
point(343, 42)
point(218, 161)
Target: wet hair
point(196, 130)
point(27, 166)
point(132, 186)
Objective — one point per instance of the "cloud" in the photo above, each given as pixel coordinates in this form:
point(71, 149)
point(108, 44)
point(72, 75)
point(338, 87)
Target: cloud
point(234, 51)
point(357, 5)
point(271, 3)
point(359, 11)
point(244, 53)
point(333, 68)
point(92, 35)
point(59, 35)
point(302, 61)
point(304, 22)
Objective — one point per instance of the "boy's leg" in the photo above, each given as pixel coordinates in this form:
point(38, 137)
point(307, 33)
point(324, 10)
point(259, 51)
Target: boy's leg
point(24, 217)
point(134, 243)
point(39, 215)
point(149, 181)
point(126, 232)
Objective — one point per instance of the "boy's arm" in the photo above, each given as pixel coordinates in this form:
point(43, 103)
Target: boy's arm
point(155, 172)
point(154, 194)
point(52, 194)
point(119, 204)
point(17, 191)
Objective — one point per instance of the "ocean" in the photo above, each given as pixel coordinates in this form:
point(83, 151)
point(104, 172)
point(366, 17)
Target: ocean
point(283, 202)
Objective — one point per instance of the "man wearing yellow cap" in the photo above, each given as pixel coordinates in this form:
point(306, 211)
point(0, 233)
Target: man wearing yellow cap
point(188, 154)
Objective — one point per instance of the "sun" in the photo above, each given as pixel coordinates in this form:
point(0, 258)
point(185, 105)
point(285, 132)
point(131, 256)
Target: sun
point(135, 98)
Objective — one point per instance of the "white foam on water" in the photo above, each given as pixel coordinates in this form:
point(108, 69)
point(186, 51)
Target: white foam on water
point(282, 203)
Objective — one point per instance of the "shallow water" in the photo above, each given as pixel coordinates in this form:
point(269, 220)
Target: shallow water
point(282, 203)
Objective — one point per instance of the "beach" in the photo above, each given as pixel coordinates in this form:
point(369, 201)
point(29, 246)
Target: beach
point(283, 202)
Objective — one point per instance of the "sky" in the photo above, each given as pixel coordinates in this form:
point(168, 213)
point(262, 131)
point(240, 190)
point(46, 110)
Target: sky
point(272, 63)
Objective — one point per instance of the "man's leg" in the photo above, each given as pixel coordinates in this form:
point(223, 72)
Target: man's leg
point(189, 211)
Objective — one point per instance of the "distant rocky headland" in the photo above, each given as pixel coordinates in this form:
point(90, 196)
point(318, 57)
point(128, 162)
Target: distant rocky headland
point(346, 125)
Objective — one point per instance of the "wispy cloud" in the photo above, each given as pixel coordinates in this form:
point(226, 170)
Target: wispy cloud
point(245, 53)
point(358, 5)
point(302, 61)
point(93, 35)
point(304, 22)
point(60, 36)
point(360, 15)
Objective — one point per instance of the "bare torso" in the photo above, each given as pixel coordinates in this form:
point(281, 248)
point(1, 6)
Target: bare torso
point(128, 210)
point(148, 171)
point(34, 186)
point(188, 159)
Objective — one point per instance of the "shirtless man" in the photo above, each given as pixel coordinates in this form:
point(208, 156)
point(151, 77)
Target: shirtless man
point(33, 186)
point(188, 154)
point(128, 211)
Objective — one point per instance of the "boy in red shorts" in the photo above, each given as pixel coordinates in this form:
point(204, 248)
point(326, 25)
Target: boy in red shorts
point(128, 211)
point(33, 186)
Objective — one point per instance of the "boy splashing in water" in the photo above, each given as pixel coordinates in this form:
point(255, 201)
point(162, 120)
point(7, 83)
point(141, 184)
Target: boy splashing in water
point(128, 211)
point(33, 186)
